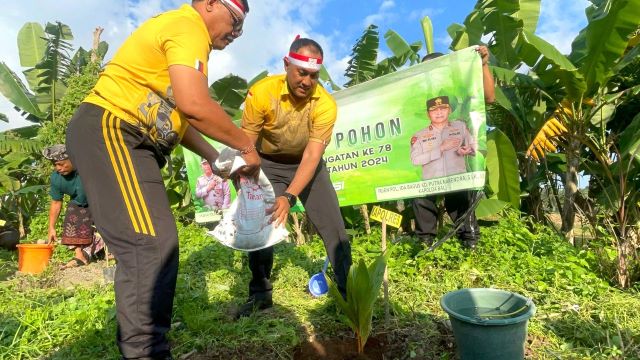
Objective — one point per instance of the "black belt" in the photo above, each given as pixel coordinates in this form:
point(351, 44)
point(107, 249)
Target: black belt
point(282, 158)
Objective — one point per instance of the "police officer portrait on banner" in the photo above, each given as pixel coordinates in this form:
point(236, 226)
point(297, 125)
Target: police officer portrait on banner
point(440, 148)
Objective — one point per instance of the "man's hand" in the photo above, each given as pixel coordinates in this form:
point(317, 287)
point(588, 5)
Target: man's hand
point(252, 167)
point(279, 211)
point(484, 54)
point(450, 144)
point(52, 237)
point(212, 184)
point(465, 150)
point(488, 84)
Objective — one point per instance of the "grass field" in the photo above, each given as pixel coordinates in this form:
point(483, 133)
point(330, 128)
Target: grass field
point(580, 315)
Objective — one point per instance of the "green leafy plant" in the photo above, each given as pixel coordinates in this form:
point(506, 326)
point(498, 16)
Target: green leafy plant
point(45, 53)
point(363, 286)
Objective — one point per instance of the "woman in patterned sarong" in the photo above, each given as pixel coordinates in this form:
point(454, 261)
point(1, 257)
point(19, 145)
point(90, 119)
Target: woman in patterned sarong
point(78, 232)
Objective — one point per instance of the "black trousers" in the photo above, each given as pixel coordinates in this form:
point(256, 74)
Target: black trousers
point(456, 204)
point(121, 175)
point(321, 204)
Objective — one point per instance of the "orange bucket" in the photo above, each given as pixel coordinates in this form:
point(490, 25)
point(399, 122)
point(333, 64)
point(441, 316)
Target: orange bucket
point(33, 258)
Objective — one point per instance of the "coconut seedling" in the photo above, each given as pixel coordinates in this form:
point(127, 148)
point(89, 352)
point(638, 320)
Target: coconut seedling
point(363, 287)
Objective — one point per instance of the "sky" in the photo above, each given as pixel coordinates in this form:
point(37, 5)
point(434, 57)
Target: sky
point(269, 29)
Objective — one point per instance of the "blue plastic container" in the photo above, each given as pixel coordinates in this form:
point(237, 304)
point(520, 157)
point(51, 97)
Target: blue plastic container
point(318, 283)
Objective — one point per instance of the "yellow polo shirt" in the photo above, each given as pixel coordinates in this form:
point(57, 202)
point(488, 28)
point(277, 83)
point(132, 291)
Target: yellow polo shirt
point(135, 84)
point(284, 126)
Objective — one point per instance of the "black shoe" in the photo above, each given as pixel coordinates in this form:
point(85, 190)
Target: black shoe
point(470, 244)
point(252, 305)
point(427, 240)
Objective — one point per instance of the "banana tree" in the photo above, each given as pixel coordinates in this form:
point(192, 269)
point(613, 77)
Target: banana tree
point(44, 52)
point(555, 78)
point(364, 66)
point(577, 90)
point(584, 84)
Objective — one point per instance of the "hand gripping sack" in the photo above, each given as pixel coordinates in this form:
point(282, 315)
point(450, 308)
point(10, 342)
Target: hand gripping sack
point(245, 225)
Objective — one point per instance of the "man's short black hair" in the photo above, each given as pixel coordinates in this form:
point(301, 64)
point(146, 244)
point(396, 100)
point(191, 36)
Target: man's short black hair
point(432, 56)
point(299, 43)
point(245, 3)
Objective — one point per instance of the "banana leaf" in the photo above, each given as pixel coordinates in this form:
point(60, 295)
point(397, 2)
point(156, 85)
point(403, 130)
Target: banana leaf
point(362, 65)
point(32, 45)
point(229, 92)
point(326, 78)
point(489, 207)
point(536, 51)
point(427, 30)
point(629, 142)
point(502, 168)
point(257, 78)
point(401, 49)
point(604, 40)
point(529, 12)
point(16, 92)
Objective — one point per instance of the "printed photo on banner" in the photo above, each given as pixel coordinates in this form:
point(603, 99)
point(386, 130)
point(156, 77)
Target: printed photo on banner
point(415, 132)
point(211, 194)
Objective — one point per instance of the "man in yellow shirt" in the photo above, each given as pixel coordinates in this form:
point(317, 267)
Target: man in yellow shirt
point(152, 96)
point(290, 119)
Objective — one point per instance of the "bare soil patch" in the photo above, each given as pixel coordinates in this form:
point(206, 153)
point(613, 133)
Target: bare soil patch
point(341, 349)
point(81, 276)
point(87, 275)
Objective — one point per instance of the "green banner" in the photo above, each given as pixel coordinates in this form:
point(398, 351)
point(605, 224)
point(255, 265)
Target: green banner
point(385, 145)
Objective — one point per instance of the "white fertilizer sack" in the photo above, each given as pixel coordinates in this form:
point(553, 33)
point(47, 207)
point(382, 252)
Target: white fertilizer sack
point(245, 225)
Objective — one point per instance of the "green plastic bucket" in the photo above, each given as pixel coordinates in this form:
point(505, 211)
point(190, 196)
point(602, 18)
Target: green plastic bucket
point(488, 323)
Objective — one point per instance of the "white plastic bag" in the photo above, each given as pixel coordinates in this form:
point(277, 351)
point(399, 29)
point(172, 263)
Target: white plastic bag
point(245, 225)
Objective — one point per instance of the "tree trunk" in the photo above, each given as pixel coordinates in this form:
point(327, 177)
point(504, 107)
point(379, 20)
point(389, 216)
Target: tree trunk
point(570, 189)
point(365, 215)
point(622, 267)
point(532, 204)
point(400, 206)
point(96, 42)
point(298, 229)
point(554, 191)
point(21, 228)
point(308, 229)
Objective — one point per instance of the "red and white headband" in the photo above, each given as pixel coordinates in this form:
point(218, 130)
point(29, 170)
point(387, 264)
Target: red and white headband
point(236, 5)
point(307, 62)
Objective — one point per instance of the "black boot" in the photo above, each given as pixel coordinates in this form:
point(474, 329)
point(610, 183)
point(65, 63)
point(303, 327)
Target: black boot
point(253, 304)
point(427, 240)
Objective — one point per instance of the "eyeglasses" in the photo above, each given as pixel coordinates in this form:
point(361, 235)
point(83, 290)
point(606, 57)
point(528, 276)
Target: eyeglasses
point(237, 22)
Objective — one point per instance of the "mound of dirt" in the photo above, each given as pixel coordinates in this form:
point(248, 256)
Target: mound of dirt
point(340, 349)
point(87, 275)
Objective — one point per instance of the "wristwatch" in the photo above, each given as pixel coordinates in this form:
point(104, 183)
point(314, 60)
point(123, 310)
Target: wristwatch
point(292, 199)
